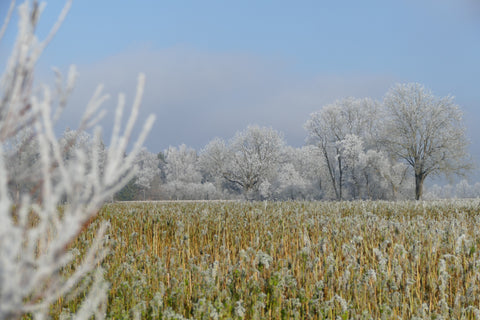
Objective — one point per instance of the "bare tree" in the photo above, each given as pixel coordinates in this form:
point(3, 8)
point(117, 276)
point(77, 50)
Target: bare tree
point(425, 131)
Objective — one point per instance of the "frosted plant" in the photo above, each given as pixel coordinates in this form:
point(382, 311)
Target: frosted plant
point(205, 310)
point(382, 262)
point(263, 259)
point(342, 303)
point(372, 275)
point(462, 244)
point(138, 310)
point(35, 236)
point(157, 302)
point(239, 309)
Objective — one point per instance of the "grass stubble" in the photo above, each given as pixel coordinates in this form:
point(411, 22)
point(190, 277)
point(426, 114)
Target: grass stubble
point(289, 260)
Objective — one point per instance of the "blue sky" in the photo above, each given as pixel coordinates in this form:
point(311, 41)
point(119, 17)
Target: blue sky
point(215, 66)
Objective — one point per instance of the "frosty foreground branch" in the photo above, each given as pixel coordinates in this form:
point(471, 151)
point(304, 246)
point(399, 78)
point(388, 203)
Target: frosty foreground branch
point(34, 235)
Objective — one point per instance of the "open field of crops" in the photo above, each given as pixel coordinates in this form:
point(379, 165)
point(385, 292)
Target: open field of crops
point(347, 260)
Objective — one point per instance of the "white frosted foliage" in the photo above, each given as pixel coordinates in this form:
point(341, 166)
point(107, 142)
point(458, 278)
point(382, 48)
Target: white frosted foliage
point(253, 158)
point(426, 132)
point(147, 168)
point(32, 254)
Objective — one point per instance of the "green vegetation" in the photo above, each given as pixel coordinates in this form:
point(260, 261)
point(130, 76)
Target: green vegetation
point(290, 260)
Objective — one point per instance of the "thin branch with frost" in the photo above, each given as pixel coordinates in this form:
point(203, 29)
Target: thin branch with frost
point(35, 236)
point(7, 19)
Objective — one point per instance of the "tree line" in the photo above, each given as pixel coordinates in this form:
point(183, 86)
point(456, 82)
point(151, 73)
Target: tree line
point(355, 149)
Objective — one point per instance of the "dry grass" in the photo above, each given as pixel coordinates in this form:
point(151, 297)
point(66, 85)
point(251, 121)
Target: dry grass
point(348, 260)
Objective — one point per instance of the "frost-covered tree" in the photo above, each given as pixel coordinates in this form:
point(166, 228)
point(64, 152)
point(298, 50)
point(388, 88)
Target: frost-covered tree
point(331, 125)
point(147, 169)
point(73, 141)
point(291, 184)
point(254, 156)
point(462, 190)
point(34, 251)
point(425, 131)
point(370, 174)
point(183, 176)
point(182, 165)
point(213, 160)
point(21, 157)
point(384, 178)
point(351, 151)
point(307, 162)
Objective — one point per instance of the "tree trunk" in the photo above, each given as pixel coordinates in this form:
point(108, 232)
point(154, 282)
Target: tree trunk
point(419, 178)
point(394, 190)
point(331, 173)
point(340, 176)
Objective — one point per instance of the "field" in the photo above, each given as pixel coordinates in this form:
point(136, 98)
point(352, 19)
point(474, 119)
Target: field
point(291, 260)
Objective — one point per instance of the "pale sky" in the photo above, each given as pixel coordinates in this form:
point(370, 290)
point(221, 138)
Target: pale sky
point(213, 67)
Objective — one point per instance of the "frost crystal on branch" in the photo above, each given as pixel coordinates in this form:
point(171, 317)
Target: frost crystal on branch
point(34, 235)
